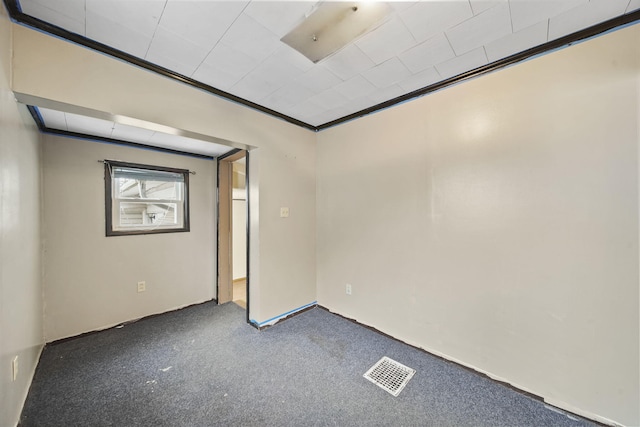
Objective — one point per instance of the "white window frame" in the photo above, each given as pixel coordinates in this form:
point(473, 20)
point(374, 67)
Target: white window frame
point(113, 202)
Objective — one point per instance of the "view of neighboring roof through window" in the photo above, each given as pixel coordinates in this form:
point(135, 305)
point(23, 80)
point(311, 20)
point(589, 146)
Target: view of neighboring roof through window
point(143, 199)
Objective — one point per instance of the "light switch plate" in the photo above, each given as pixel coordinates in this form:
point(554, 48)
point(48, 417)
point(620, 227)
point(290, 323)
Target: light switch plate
point(14, 368)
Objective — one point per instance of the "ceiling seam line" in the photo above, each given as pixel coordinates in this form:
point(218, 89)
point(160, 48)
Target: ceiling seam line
point(155, 30)
point(450, 45)
point(510, 16)
point(220, 39)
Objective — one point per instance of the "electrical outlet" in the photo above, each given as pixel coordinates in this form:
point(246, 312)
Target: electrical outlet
point(284, 212)
point(142, 286)
point(348, 289)
point(14, 368)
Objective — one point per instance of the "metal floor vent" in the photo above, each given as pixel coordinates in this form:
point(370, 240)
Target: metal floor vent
point(390, 375)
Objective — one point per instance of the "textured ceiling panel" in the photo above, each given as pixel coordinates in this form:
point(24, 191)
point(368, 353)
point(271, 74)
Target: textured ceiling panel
point(518, 41)
point(54, 119)
point(430, 18)
point(171, 51)
point(87, 125)
point(427, 54)
point(584, 16)
point(486, 27)
point(235, 46)
point(460, 64)
point(69, 15)
point(202, 23)
point(391, 39)
point(525, 13)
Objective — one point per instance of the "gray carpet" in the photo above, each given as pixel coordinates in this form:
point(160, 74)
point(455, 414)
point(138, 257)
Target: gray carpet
point(204, 366)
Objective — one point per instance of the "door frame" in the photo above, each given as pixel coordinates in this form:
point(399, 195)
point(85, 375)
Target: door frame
point(225, 202)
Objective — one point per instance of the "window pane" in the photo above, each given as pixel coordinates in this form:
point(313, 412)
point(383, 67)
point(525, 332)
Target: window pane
point(144, 189)
point(134, 214)
point(146, 174)
point(145, 199)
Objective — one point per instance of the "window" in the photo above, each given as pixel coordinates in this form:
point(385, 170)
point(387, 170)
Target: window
point(142, 199)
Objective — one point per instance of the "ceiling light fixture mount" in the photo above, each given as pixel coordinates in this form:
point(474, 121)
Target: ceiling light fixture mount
point(334, 25)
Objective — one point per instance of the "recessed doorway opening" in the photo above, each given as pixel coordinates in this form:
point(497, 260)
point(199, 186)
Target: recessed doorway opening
point(239, 232)
point(233, 230)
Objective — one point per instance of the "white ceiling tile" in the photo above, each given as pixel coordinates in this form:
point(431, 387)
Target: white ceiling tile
point(189, 145)
point(479, 6)
point(142, 16)
point(295, 59)
point(239, 41)
point(131, 133)
point(278, 69)
point(382, 95)
point(386, 41)
point(53, 119)
point(89, 125)
point(584, 16)
point(422, 79)
point(73, 9)
point(348, 62)
point(525, 13)
point(117, 36)
point(329, 99)
point(108, 129)
point(68, 14)
point(460, 64)
point(266, 78)
point(426, 19)
point(433, 51)
point(201, 22)
point(357, 104)
point(224, 67)
point(254, 87)
point(306, 109)
point(387, 73)
point(517, 42)
point(633, 5)
point(318, 79)
point(279, 17)
point(216, 77)
point(251, 38)
point(399, 6)
point(327, 116)
point(355, 87)
point(289, 111)
point(175, 53)
point(289, 95)
point(484, 28)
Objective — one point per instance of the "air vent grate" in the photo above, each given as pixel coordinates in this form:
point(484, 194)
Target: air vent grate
point(390, 375)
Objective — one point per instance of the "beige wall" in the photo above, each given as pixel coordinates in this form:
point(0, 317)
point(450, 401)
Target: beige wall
point(282, 166)
point(496, 223)
point(90, 279)
point(20, 251)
